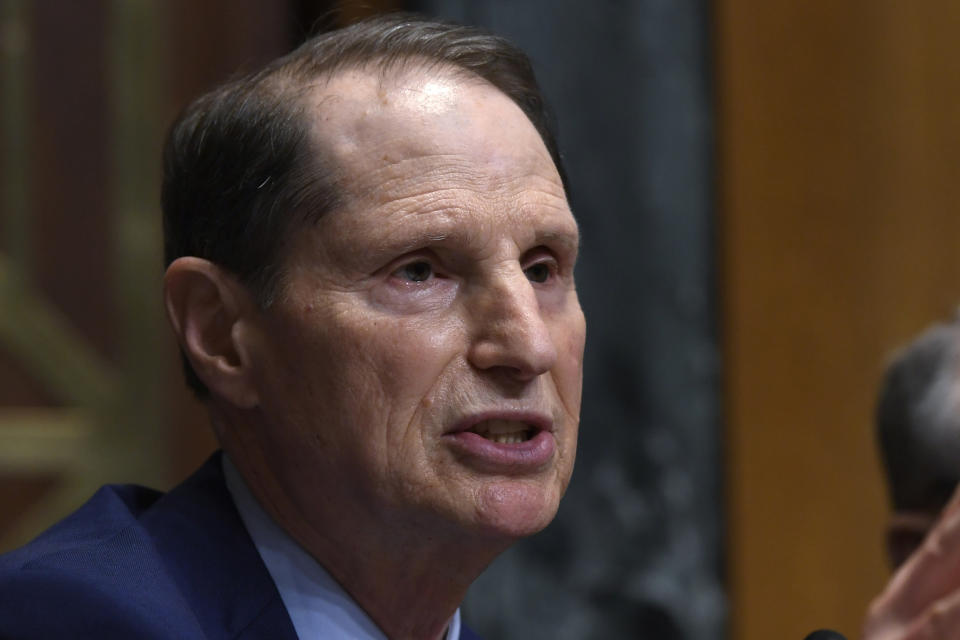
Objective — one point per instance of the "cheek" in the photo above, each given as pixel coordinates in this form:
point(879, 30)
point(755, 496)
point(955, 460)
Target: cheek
point(410, 355)
point(570, 340)
point(381, 375)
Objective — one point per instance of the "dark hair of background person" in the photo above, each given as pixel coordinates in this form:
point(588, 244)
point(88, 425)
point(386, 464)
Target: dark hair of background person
point(240, 173)
point(918, 431)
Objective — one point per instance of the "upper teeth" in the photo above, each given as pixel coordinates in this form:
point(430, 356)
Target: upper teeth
point(503, 431)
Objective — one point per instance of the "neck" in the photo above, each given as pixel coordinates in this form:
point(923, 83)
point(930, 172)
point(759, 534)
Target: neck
point(410, 593)
point(410, 584)
point(408, 579)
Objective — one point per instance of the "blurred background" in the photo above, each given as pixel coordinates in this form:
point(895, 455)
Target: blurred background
point(767, 194)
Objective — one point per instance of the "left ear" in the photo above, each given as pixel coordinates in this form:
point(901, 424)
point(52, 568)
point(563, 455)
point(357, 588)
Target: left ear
point(211, 313)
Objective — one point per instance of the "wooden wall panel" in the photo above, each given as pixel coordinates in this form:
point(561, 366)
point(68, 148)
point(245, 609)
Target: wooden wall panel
point(70, 189)
point(91, 391)
point(838, 154)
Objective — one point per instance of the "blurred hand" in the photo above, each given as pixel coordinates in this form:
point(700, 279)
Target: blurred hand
point(922, 599)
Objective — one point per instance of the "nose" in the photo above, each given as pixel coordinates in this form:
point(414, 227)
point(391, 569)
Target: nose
point(510, 333)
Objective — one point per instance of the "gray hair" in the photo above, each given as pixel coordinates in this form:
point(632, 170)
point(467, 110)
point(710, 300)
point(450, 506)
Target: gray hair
point(918, 419)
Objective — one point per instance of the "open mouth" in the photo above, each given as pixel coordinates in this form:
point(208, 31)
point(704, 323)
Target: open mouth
point(516, 444)
point(504, 431)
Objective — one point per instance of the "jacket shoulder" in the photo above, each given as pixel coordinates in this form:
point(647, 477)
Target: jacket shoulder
point(50, 602)
point(110, 511)
point(92, 575)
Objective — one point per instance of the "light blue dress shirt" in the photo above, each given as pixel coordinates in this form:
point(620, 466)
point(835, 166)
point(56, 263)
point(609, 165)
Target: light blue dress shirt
point(318, 606)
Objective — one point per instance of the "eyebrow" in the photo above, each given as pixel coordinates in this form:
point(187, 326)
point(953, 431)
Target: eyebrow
point(401, 244)
point(561, 237)
point(407, 244)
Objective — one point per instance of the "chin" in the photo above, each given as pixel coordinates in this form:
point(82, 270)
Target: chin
point(516, 509)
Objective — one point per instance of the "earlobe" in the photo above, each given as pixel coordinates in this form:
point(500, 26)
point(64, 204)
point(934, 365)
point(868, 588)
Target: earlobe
point(207, 308)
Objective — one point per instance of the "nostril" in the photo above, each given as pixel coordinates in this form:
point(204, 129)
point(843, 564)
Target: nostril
point(524, 354)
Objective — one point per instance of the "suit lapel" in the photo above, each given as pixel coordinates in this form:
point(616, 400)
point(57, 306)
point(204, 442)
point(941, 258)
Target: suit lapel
point(208, 553)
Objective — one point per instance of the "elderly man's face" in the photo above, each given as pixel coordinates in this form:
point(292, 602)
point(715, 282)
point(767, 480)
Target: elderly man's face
point(423, 366)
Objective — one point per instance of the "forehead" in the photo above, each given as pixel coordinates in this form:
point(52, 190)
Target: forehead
point(430, 155)
point(380, 128)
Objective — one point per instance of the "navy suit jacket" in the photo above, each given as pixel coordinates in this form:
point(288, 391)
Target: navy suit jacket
point(136, 563)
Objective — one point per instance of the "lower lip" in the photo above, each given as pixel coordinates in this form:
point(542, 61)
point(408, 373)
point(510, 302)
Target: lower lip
point(511, 459)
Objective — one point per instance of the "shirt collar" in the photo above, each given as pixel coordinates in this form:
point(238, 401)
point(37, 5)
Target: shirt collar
point(318, 606)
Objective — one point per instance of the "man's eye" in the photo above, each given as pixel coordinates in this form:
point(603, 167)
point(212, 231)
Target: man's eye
point(419, 271)
point(539, 272)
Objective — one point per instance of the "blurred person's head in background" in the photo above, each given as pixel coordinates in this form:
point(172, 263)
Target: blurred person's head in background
point(918, 430)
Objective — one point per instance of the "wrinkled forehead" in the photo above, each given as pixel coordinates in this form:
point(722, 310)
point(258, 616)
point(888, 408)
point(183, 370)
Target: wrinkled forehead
point(365, 118)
